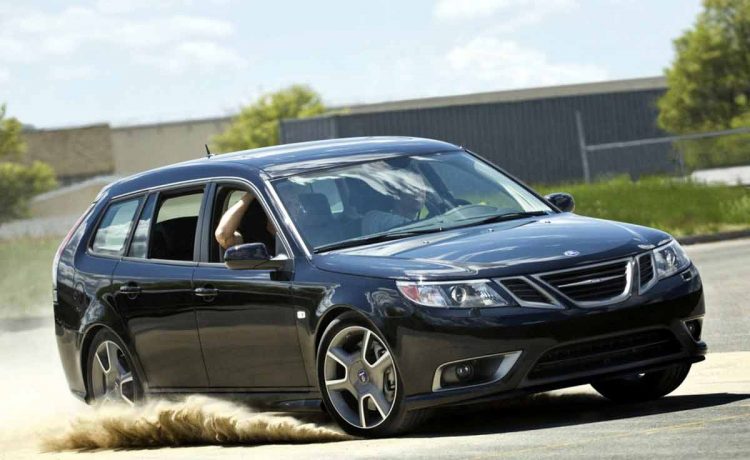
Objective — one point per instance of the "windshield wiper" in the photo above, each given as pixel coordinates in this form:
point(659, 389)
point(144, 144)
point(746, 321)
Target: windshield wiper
point(388, 236)
point(374, 239)
point(508, 216)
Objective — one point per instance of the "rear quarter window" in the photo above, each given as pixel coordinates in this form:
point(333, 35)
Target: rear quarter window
point(112, 234)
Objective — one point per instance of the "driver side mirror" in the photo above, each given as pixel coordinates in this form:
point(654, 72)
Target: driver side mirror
point(251, 256)
point(562, 201)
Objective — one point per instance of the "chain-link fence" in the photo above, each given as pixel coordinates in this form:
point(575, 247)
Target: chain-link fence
point(715, 156)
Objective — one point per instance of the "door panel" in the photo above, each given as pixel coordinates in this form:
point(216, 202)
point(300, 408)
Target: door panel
point(158, 310)
point(248, 329)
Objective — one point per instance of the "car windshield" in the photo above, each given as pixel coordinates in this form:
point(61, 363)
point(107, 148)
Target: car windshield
point(401, 196)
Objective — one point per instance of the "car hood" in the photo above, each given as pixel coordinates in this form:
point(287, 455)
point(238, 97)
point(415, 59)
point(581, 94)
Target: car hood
point(510, 248)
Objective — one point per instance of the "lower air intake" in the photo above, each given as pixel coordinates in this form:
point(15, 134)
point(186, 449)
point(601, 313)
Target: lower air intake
point(605, 353)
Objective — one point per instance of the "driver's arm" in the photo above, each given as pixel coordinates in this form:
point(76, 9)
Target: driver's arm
point(226, 232)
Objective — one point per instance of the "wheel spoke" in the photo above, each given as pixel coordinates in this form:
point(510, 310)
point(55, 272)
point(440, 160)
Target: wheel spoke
point(111, 356)
point(366, 340)
point(104, 369)
point(363, 411)
point(384, 362)
point(380, 403)
point(338, 385)
point(340, 356)
point(126, 380)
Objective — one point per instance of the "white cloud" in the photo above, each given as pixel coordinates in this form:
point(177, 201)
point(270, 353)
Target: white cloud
point(4, 75)
point(72, 72)
point(506, 64)
point(12, 50)
point(515, 13)
point(120, 6)
point(202, 55)
point(36, 36)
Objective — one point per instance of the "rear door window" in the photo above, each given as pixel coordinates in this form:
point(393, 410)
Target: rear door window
point(174, 230)
point(114, 228)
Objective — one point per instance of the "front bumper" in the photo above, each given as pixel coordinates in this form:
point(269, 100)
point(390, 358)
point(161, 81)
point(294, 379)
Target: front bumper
point(432, 337)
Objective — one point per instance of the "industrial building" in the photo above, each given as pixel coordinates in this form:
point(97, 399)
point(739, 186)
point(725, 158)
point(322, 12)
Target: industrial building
point(532, 133)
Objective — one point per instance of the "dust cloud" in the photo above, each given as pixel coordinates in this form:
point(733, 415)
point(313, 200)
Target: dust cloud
point(195, 420)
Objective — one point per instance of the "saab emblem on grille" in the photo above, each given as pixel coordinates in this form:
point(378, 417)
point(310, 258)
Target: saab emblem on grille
point(571, 253)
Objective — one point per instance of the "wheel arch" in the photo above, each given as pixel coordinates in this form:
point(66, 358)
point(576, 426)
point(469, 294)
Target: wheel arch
point(86, 340)
point(328, 317)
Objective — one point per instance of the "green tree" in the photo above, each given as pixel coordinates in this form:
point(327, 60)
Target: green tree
point(19, 182)
point(257, 125)
point(709, 84)
point(11, 143)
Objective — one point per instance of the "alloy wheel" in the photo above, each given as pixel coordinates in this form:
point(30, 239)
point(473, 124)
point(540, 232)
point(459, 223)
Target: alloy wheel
point(111, 376)
point(360, 377)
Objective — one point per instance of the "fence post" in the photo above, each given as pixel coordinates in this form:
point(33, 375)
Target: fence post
point(582, 146)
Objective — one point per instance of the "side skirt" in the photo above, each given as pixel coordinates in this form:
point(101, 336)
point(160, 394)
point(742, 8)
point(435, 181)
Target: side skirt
point(286, 401)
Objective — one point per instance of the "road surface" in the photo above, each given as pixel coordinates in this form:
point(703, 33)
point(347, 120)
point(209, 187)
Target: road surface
point(708, 417)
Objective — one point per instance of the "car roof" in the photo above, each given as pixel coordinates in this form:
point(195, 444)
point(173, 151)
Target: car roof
point(288, 159)
point(283, 160)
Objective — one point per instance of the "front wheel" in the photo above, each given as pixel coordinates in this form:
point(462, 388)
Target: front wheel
point(643, 387)
point(359, 381)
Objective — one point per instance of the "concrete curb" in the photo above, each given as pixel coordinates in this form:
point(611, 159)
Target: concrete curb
point(712, 237)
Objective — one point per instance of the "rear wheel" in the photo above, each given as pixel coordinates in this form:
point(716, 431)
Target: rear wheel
point(643, 387)
point(359, 381)
point(111, 378)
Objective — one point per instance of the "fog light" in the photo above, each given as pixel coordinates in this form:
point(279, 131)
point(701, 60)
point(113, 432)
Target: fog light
point(464, 371)
point(694, 327)
point(474, 371)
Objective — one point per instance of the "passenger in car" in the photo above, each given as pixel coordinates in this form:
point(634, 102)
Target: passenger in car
point(407, 205)
point(246, 214)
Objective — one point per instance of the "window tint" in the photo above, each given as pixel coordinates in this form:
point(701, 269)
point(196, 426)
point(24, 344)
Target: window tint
point(180, 206)
point(114, 228)
point(139, 244)
point(173, 235)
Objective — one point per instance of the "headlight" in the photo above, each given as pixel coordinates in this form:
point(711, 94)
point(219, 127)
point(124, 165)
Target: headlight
point(453, 294)
point(670, 259)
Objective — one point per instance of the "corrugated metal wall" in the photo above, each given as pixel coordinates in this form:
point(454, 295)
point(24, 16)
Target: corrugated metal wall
point(536, 140)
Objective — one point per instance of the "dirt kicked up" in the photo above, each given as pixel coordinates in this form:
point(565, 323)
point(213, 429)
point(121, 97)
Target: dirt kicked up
point(196, 420)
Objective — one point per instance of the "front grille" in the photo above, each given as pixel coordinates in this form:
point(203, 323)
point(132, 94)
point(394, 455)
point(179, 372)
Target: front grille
point(605, 353)
point(524, 291)
point(646, 268)
point(592, 284)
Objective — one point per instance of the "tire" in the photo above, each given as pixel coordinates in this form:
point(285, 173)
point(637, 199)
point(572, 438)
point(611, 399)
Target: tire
point(351, 383)
point(643, 387)
point(110, 375)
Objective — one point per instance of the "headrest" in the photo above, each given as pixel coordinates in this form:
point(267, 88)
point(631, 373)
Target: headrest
point(315, 204)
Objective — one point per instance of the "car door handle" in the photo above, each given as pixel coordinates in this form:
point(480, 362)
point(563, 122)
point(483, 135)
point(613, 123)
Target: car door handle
point(131, 290)
point(206, 292)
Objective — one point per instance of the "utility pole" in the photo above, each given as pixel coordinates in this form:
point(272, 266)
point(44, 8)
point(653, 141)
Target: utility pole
point(582, 146)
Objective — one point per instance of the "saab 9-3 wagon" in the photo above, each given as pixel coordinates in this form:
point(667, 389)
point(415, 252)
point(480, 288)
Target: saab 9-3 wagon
point(375, 278)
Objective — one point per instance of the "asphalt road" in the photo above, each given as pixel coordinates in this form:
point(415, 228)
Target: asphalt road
point(708, 417)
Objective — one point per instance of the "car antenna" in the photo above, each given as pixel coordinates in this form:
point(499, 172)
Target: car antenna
point(208, 152)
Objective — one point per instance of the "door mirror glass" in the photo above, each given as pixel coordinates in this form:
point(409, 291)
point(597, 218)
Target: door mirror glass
point(251, 256)
point(562, 201)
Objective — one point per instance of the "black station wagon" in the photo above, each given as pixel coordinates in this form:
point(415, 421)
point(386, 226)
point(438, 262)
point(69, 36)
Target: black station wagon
point(376, 278)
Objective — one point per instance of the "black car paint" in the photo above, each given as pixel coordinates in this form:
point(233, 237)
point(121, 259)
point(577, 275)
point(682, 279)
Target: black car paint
point(259, 347)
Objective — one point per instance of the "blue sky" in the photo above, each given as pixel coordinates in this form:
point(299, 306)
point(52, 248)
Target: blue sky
point(65, 63)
